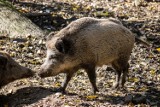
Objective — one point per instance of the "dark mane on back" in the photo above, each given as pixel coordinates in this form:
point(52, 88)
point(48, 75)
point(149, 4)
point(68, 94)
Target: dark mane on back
point(73, 28)
point(76, 26)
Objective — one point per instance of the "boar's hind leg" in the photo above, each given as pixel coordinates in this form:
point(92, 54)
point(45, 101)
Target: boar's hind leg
point(118, 74)
point(124, 74)
point(121, 68)
point(90, 69)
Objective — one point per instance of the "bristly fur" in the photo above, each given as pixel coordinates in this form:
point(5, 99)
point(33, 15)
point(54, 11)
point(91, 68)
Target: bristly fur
point(87, 43)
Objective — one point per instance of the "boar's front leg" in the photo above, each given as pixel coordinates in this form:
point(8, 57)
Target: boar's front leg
point(66, 81)
point(68, 77)
point(90, 69)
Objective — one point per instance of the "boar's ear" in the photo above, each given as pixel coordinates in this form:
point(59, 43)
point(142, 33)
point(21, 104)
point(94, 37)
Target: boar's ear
point(48, 37)
point(63, 46)
point(3, 61)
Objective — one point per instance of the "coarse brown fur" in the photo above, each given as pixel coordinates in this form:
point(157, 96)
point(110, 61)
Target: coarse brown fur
point(10, 70)
point(87, 43)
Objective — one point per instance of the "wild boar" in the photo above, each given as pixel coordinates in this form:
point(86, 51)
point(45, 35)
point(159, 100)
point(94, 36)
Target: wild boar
point(10, 70)
point(85, 44)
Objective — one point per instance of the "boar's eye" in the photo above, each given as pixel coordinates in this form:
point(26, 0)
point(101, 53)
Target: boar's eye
point(63, 46)
point(60, 46)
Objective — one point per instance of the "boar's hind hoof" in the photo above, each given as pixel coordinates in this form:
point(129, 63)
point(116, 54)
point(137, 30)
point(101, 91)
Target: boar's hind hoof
point(117, 87)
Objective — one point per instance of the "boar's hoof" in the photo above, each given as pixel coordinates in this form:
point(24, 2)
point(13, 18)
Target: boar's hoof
point(61, 89)
point(95, 90)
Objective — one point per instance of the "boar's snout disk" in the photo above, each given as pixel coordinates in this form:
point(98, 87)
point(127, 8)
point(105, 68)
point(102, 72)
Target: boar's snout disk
point(85, 44)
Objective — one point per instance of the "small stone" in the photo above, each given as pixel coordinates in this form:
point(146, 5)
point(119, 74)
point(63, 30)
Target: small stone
point(137, 66)
point(20, 40)
point(84, 104)
point(14, 42)
point(40, 42)
point(66, 106)
point(128, 98)
point(21, 45)
point(139, 99)
point(30, 54)
point(58, 94)
point(143, 63)
point(38, 52)
point(29, 36)
point(30, 47)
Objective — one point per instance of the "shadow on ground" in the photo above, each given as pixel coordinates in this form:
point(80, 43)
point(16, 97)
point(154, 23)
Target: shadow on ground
point(149, 97)
point(51, 16)
point(31, 95)
point(26, 95)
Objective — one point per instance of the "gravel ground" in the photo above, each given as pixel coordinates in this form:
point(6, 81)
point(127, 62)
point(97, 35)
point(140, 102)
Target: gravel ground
point(143, 84)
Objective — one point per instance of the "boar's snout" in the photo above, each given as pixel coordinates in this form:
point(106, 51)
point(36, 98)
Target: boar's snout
point(30, 72)
point(46, 69)
point(44, 73)
point(27, 73)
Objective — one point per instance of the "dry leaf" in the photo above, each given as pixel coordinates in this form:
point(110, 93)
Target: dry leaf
point(6, 105)
point(158, 49)
point(143, 89)
point(152, 72)
point(57, 84)
point(130, 88)
point(134, 79)
point(91, 97)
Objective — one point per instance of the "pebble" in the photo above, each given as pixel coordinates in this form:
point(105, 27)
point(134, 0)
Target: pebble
point(39, 52)
point(128, 98)
point(139, 100)
point(58, 94)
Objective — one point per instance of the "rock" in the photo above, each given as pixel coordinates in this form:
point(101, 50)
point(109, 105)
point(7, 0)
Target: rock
point(84, 105)
point(14, 24)
point(20, 40)
point(137, 2)
point(128, 98)
point(58, 94)
point(139, 99)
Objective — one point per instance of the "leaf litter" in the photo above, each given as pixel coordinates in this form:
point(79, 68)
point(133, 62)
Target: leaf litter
point(143, 85)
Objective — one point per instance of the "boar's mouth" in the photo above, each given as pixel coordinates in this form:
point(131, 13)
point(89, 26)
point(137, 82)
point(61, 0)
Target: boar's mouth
point(44, 74)
point(29, 73)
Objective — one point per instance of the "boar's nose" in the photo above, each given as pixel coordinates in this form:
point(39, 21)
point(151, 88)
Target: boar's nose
point(43, 73)
point(40, 73)
point(30, 72)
